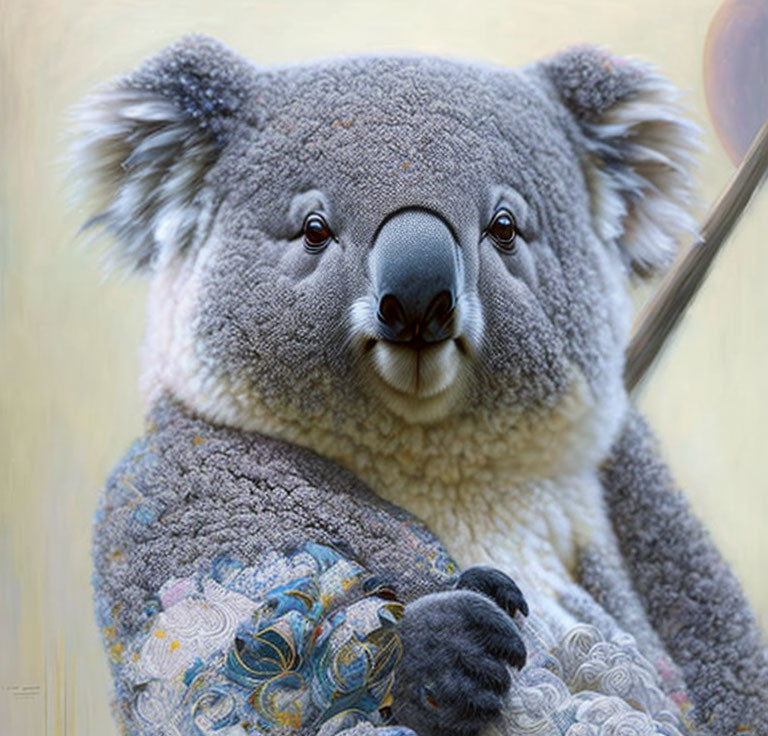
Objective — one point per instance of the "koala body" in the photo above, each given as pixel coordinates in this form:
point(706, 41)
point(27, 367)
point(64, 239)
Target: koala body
point(358, 154)
point(413, 269)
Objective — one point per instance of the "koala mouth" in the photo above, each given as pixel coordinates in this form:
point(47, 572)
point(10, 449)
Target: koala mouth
point(420, 370)
point(418, 380)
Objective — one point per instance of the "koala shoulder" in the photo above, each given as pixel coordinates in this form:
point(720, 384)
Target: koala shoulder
point(189, 491)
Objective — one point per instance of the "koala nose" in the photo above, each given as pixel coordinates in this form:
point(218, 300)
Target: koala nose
point(433, 326)
point(415, 266)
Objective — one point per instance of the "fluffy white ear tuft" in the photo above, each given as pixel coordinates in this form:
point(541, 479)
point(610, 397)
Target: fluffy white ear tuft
point(145, 143)
point(639, 152)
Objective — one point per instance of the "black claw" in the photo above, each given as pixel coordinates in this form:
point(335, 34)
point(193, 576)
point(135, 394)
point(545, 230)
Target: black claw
point(518, 655)
point(508, 647)
point(496, 585)
point(469, 699)
point(489, 672)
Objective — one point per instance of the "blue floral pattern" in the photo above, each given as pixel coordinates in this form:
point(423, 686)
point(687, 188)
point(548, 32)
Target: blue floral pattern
point(302, 639)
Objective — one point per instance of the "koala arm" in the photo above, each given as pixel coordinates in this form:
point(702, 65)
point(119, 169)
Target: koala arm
point(208, 540)
point(305, 640)
point(691, 596)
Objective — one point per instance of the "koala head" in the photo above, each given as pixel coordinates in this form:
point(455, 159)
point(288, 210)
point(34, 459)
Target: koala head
point(389, 243)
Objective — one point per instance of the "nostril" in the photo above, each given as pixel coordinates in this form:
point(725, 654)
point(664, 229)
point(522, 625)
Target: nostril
point(439, 311)
point(391, 312)
point(431, 325)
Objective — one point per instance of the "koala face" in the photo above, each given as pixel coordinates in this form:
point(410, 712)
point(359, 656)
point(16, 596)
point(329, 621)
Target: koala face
point(414, 239)
point(408, 297)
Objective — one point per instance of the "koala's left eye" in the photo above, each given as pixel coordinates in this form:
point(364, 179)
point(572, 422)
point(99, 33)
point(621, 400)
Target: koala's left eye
point(317, 234)
point(503, 230)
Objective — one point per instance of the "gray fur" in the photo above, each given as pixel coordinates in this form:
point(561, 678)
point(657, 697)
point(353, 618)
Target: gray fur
point(189, 492)
point(691, 598)
point(211, 491)
point(639, 170)
point(456, 649)
point(603, 577)
point(591, 81)
point(148, 141)
point(353, 126)
point(393, 132)
point(250, 330)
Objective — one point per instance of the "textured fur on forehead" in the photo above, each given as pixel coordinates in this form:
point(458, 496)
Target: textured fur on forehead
point(392, 132)
point(147, 141)
point(639, 151)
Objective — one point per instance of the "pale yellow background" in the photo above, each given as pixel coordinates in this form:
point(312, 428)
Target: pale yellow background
point(69, 338)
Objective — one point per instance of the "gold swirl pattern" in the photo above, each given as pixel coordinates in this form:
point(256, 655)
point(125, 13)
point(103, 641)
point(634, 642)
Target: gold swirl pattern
point(249, 650)
point(213, 709)
point(313, 640)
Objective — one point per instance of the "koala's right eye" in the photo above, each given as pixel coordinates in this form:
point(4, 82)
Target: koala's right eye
point(317, 234)
point(503, 230)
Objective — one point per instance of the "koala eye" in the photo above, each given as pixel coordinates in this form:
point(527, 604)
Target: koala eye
point(502, 230)
point(316, 232)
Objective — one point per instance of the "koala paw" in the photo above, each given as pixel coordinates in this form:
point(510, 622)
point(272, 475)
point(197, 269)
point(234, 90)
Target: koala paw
point(457, 648)
point(496, 585)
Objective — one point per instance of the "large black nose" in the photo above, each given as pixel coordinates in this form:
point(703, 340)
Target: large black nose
point(415, 269)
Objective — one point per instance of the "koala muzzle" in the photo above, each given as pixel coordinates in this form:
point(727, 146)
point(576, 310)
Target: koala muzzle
point(415, 269)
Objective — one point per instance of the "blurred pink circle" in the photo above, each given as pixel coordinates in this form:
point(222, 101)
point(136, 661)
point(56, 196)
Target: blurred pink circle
point(736, 73)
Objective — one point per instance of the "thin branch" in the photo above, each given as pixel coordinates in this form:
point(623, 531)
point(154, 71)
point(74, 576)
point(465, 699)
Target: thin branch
point(660, 317)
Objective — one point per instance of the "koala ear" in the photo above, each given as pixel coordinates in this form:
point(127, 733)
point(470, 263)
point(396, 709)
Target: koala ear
point(638, 152)
point(145, 143)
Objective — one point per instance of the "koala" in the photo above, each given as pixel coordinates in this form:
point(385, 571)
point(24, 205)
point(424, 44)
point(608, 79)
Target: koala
point(391, 481)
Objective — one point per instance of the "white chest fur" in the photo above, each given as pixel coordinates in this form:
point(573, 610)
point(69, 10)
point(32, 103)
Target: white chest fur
point(533, 532)
point(512, 488)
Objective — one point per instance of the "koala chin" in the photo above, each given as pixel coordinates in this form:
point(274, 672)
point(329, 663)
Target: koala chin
point(386, 329)
point(419, 385)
